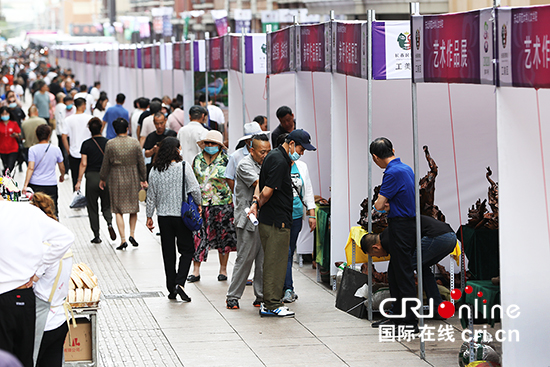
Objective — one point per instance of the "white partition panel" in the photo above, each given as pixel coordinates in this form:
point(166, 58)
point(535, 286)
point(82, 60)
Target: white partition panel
point(150, 83)
point(188, 93)
point(524, 160)
point(282, 90)
point(349, 157)
point(255, 103)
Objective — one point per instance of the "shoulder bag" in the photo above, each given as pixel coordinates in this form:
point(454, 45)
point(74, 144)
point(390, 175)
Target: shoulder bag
point(189, 209)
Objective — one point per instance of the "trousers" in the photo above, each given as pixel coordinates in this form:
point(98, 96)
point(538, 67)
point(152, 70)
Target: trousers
point(51, 348)
point(173, 233)
point(402, 236)
point(249, 251)
point(294, 232)
point(275, 242)
point(75, 167)
point(93, 193)
point(17, 319)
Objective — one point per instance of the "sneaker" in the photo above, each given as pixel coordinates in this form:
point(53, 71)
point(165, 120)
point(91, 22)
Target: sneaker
point(282, 311)
point(257, 303)
point(289, 296)
point(232, 304)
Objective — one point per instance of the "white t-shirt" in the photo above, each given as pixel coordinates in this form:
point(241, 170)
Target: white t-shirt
point(89, 100)
point(188, 137)
point(18, 90)
point(99, 114)
point(95, 93)
point(77, 130)
point(147, 127)
point(134, 123)
point(216, 114)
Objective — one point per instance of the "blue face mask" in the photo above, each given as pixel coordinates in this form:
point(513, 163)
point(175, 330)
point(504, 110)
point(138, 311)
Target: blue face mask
point(12, 105)
point(212, 150)
point(69, 106)
point(5, 117)
point(294, 156)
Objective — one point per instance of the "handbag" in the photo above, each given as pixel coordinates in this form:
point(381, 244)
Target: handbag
point(346, 300)
point(189, 209)
point(79, 200)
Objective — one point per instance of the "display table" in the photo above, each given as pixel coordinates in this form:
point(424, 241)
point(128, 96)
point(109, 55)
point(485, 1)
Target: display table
point(481, 248)
point(491, 293)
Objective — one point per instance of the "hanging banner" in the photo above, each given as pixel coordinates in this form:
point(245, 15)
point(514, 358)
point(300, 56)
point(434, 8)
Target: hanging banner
point(280, 48)
point(453, 48)
point(313, 48)
point(156, 53)
point(255, 47)
point(216, 54)
point(187, 55)
point(270, 17)
point(524, 46)
point(349, 50)
point(220, 19)
point(243, 18)
point(236, 51)
point(139, 58)
point(391, 50)
point(176, 56)
point(148, 57)
point(121, 58)
point(199, 55)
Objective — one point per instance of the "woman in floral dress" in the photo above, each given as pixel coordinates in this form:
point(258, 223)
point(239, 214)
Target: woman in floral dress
point(218, 230)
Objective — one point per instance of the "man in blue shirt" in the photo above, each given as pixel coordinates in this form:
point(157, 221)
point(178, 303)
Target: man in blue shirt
point(397, 197)
point(113, 113)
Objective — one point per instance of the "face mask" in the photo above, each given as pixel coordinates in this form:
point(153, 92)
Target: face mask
point(212, 150)
point(12, 105)
point(166, 114)
point(5, 118)
point(69, 106)
point(294, 156)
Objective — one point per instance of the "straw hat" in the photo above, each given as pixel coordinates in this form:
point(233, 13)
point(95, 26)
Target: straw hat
point(251, 129)
point(212, 136)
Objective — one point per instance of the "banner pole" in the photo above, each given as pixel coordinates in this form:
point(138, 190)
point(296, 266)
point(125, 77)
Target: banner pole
point(415, 10)
point(154, 65)
point(296, 26)
point(206, 37)
point(118, 68)
point(370, 19)
point(142, 70)
point(95, 66)
point(332, 118)
point(137, 71)
point(192, 67)
point(173, 83)
point(267, 80)
point(243, 71)
point(161, 48)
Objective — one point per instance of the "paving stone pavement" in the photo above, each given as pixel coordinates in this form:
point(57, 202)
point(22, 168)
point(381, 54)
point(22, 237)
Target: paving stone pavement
point(139, 326)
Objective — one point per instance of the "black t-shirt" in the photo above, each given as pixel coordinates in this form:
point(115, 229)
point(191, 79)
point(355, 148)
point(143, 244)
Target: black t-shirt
point(275, 173)
point(142, 117)
point(278, 131)
point(154, 138)
point(17, 115)
point(430, 227)
point(94, 155)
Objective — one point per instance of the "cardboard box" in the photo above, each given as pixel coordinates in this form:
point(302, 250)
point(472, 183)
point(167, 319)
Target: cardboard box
point(79, 348)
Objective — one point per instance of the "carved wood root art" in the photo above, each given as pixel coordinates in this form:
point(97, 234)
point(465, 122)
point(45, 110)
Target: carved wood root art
point(478, 214)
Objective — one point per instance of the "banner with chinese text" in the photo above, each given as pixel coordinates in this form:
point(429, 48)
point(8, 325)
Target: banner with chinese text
point(524, 46)
point(280, 50)
point(236, 51)
point(453, 48)
point(176, 56)
point(391, 50)
point(255, 46)
point(349, 49)
point(120, 57)
point(148, 57)
point(216, 54)
point(187, 55)
point(156, 56)
point(313, 47)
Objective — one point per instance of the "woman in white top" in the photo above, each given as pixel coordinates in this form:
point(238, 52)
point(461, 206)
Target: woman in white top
point(99, 111)
point(51, 291)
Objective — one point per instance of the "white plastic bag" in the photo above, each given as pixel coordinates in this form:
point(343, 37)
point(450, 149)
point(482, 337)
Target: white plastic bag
point(79, 200)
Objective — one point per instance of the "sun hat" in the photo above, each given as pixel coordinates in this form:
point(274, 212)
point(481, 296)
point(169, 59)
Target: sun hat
point(251, 129)
point(212, 136)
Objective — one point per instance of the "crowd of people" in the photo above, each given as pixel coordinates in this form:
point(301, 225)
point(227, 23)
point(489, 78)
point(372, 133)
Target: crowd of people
point(151, 154)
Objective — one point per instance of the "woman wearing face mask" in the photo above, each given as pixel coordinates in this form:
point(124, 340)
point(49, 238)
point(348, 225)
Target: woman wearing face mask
point(10, 133)
point(218, 230)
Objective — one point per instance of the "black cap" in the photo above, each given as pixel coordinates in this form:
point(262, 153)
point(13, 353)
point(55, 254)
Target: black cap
point(301, 137)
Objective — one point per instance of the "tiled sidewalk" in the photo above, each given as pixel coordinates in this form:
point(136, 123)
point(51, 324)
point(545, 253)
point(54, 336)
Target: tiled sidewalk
point(139, 326)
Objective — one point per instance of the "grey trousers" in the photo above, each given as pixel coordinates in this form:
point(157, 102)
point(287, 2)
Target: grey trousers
point(42, 311)
point(249, 250)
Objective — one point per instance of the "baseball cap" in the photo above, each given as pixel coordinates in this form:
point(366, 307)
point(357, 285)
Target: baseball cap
point(301, 137)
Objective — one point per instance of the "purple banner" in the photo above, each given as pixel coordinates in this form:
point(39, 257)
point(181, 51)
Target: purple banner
point(350, 51)
point(453, 48)
point(216, 54)
point(312, 48)
point(280, 51)
point(139, 58)
point(524, 47)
